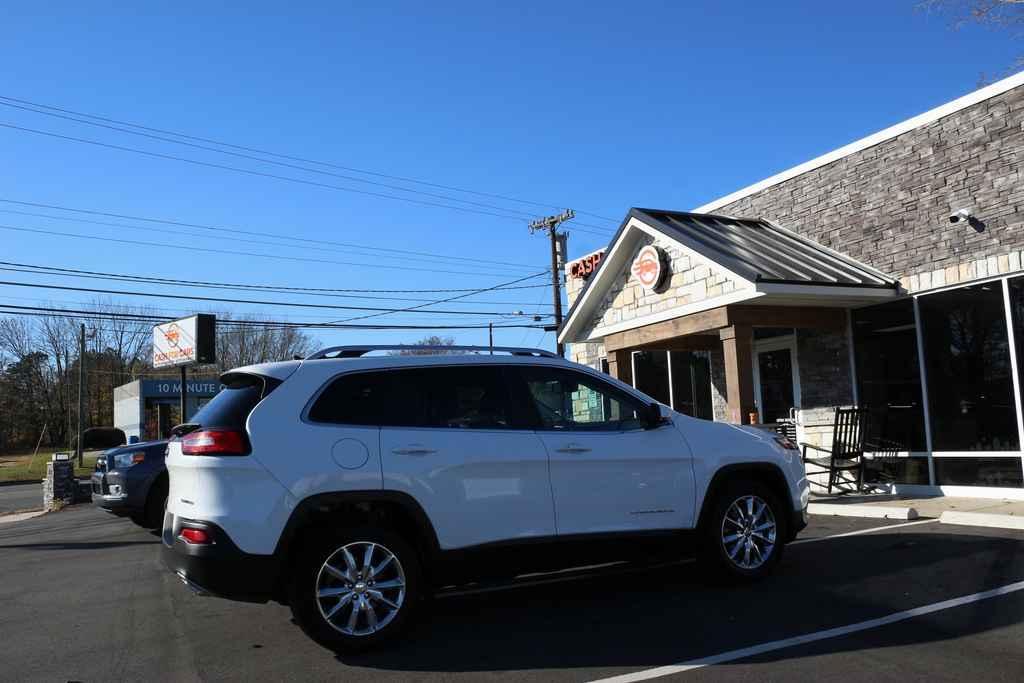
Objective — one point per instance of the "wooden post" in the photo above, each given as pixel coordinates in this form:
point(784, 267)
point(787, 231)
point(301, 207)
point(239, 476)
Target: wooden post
point(737, 347)
point(620, 365)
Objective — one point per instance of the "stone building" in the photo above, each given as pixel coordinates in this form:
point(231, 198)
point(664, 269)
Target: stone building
point(886, 274)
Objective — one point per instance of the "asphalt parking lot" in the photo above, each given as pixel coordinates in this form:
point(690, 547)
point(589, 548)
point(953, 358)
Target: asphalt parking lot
point(18, 497)
point(85, 598)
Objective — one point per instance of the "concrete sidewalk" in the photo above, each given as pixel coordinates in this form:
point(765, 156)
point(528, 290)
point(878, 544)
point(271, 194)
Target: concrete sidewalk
point(993, 512)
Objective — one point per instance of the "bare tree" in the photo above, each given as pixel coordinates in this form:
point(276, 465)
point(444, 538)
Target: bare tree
point(250, 344)
point(1006, 15)
point(432, 340)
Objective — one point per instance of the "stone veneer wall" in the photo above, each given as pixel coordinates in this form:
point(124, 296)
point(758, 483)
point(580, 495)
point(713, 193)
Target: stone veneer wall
point(692, 281)
point(888, 205)
point(825, 382)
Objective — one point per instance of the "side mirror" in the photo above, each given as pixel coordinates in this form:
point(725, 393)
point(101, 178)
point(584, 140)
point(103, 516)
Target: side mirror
point(653, 416)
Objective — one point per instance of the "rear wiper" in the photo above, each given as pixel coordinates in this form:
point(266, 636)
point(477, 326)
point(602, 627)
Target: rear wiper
point(185, 428)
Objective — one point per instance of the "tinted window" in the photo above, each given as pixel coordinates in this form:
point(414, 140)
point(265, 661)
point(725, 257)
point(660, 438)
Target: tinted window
point(691, 383)
point(1001, 472)
point(650, 374)
point(564, 399)
point(967, 355)
point(453, 398)
point(1016, 287)
point(232, 405)
point(888, 373)
point(356, 399)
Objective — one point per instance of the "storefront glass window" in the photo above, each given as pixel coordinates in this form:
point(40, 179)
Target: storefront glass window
point(1016, 287)
point(967, 358)
point(888, 373)
point(691, 383)
point(650, 374)
point(1002, 472)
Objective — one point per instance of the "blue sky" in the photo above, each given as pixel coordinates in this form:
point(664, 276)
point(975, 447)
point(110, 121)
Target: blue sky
point(597, 106)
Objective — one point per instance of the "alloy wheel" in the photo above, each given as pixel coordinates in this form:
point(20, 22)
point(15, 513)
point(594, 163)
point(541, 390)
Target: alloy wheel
point(360, 588)
point(748, 532)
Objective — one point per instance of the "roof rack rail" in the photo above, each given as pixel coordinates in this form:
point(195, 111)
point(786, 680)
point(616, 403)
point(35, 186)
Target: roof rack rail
point(358, 351)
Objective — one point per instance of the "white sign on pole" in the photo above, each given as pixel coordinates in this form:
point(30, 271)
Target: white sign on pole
point(183, 342)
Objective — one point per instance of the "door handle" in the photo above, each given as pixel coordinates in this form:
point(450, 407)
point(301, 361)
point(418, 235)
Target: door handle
point(413, 450)
point(572, 448)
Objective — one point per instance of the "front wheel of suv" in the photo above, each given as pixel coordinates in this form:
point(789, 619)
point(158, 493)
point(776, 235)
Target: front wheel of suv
point(355, 589)
point(743, 535)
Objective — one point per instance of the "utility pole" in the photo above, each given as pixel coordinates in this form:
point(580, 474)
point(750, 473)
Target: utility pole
point(550, 224)
point(81, 391)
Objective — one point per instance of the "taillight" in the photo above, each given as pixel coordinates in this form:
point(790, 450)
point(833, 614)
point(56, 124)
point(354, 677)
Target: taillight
point(195, 536)
point(214, 442)
point(138, 457)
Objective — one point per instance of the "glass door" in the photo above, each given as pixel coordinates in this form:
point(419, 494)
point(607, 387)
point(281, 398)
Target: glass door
point(776, 379)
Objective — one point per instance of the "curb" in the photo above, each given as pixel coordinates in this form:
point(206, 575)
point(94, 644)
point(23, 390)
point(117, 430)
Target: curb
point(988, 519)
point(20, 516)
point(867, 511)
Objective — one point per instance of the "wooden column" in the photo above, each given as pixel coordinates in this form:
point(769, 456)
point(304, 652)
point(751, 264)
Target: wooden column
point(620, 365)
point(737, 347)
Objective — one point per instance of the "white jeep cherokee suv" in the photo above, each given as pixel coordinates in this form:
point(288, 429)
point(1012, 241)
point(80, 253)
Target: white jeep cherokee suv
point(351, 485)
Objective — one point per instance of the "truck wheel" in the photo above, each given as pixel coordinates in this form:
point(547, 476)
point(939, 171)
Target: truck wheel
point(156, 503)
point(355, 589)
point(743, 536)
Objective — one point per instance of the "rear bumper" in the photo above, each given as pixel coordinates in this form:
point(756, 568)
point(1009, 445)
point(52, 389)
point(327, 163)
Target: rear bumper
point(219, 568)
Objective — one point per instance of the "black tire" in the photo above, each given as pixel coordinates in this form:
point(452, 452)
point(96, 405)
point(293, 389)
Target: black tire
point(156, 503)
point(139, 518)
point(718, 562)
point(306, 572)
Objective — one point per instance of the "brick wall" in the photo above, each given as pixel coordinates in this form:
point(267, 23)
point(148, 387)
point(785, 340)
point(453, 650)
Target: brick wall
point(888, 205)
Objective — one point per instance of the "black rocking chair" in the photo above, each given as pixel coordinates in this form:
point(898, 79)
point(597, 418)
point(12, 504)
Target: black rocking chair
point(845, 461)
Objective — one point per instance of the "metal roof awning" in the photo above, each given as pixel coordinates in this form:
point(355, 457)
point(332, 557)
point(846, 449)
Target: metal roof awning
point(765, 263)
point(761, 251)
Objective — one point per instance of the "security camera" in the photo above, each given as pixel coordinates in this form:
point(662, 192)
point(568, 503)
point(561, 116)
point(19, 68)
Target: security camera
point(960, 215)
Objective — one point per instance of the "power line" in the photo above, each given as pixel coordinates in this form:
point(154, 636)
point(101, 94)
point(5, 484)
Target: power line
point(40, 311)
point(275, 176)
point(63, 272)
point(232, 252)
point(284, 288)
point(290, 158)
point(239, 231)
point(264, 161)
point(290, 304)
point(350, 251)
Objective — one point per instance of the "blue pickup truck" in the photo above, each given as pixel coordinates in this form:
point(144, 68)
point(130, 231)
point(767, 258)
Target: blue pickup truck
point(131, 481)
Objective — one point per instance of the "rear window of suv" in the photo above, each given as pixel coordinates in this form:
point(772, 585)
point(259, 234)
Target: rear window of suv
point(230, 408)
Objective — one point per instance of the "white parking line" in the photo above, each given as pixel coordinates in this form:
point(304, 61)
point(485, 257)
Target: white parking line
point(864, 531)
point(753, 650)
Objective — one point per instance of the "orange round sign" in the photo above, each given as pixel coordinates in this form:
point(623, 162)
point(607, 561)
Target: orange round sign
point(649, 268)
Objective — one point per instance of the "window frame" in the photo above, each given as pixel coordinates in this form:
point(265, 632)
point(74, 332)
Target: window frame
point(602, 384)
point(523, 416)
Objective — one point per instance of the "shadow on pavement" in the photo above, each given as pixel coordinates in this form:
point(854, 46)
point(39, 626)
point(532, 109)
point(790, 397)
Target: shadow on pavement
point(670, 615)
point(98, 545)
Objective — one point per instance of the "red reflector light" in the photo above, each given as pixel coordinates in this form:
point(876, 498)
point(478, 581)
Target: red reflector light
point(214, 442)
point(196, 536)
point(137, 458)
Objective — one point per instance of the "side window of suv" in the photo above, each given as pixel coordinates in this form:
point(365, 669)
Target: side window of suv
point(454, 397)
point(357, 399)
point(566, 399)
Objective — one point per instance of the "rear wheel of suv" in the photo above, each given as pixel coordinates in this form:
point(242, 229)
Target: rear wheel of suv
point(743, 535)
point(355, 589)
